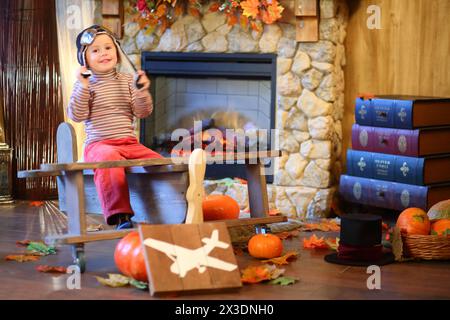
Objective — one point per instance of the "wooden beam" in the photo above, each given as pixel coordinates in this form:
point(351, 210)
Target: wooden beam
point(111, 7)
point(307, 29)
point(113, 16)
point(306, 8)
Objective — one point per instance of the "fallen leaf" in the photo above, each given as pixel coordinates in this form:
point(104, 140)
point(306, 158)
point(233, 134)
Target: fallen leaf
point(51, 269)
point(274, 212)
point(259, 273)
point(283, 235)
point(255, 274)
point(22, 257)
point(275, 272)
point(323, 225)
point(115, 280)
point(288, 234)
point(23, 243)
point(291, 255)
point(314, 242)
point(93, 228)
point(333, 244)
point(40, 247)
point(284, 281)
point(139, 284)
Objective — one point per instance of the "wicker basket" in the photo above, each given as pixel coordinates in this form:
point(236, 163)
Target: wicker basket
point(426, 247)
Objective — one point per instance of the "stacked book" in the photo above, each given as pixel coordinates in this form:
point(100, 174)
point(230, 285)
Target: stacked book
point(400, 154)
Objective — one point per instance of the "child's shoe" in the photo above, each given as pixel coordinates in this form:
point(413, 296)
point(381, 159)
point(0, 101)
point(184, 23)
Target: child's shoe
point(124, 222)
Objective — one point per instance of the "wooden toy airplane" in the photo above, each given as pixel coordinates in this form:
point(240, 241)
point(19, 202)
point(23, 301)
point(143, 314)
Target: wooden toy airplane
point(185, 259)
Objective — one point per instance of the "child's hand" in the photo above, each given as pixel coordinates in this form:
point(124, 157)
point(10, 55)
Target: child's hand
point(142, 80)
point(83, 79)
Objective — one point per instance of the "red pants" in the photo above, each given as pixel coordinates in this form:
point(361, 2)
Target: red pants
point(111, 184)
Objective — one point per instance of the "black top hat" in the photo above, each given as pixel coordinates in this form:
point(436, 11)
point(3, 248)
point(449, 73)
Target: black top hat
point(360, 242)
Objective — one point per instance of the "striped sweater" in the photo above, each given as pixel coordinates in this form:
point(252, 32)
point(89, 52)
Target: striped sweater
point(108, 106)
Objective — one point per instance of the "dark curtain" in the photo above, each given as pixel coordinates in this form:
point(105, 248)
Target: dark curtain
point(30, 89)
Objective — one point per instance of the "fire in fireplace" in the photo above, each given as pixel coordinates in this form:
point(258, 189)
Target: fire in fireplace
point(228, 98)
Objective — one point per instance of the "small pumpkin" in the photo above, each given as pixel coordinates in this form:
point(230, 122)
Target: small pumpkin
point(129, 257)
point(265, 246)
point(441, 227)
point(440, 210)
point(220, 207)
point(414, 221)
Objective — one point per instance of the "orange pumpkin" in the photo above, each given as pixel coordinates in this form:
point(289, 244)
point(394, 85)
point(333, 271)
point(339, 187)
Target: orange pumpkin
point(414, 221)
point(220, 207)
point(265, 246)
point(441, 227)
point(440, 210)
point(129, 257)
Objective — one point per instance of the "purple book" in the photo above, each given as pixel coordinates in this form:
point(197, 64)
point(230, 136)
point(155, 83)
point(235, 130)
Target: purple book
point(413, 143)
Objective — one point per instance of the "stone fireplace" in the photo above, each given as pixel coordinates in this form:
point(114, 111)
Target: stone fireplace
point(309, 98)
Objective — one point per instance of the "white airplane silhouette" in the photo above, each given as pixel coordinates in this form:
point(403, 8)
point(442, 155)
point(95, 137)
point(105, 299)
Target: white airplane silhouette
point(185, 259)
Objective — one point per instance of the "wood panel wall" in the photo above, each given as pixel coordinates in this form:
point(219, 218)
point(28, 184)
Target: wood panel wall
point(410, 54)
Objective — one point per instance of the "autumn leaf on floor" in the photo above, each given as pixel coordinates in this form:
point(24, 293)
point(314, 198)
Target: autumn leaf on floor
point(36, 203)
point(333, 244)
point(22, 257)
point(93, 228)
point(51, 269)
point(23, 243)
point(274, 212)
point(139, 284)
point(115, 280)
point(39, 247)
point(285, 259)
point(314, 242)
point(259, 273)
point(323, 225)
point(284, 281)
point(255, 274)
point(288, 234)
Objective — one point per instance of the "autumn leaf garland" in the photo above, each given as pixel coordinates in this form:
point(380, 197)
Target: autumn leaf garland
point(150, 14)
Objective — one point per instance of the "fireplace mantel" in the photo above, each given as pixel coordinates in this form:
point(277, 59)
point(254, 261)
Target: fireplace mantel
point(199, 64)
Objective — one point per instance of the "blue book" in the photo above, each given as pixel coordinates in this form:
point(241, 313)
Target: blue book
point(391, 195)
point(402, 112)
point(409, 170)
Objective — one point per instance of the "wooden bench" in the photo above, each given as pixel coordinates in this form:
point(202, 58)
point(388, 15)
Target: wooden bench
point(158, 191)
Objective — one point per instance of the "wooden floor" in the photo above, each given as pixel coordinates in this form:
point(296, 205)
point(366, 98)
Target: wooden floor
point(318, 279)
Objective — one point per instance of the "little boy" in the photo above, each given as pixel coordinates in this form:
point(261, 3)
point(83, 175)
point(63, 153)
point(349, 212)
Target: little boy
point(107, 101)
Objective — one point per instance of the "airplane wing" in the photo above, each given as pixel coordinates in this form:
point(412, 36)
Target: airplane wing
point(219, 264)
point(167, 248)
point(162, 246)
